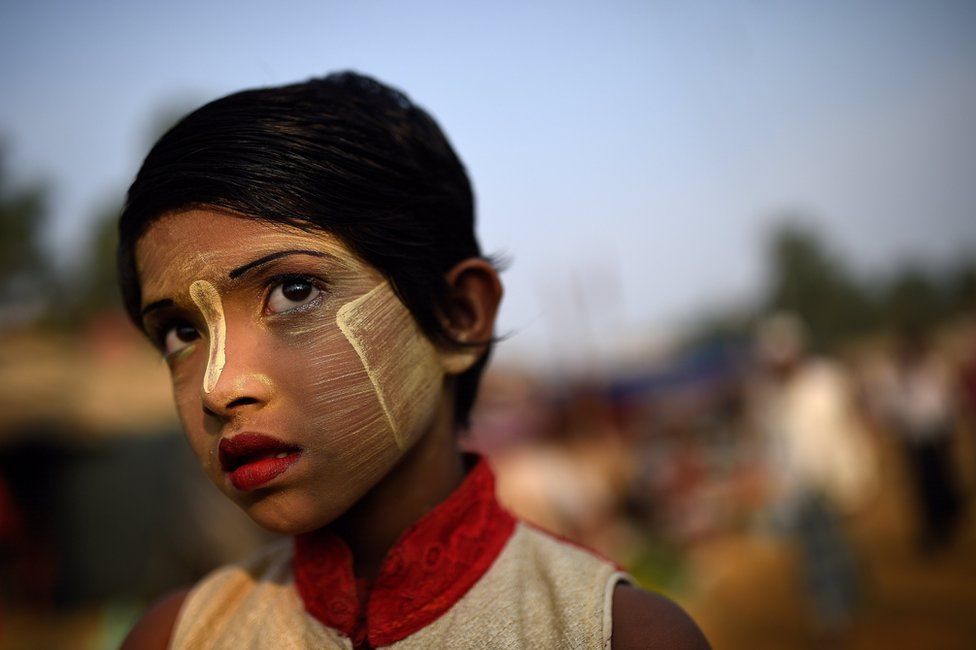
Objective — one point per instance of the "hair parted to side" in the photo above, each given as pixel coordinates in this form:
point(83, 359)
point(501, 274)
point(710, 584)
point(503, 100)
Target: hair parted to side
point(343, 153)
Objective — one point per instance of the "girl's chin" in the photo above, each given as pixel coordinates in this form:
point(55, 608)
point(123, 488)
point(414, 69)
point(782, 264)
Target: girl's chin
point(282, 517)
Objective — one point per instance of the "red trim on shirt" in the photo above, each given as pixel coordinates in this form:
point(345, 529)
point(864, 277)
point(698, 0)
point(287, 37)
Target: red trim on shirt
point(432, 565)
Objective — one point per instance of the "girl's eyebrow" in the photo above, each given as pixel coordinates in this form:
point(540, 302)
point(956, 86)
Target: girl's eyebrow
point(159, 304)
point(241, 270)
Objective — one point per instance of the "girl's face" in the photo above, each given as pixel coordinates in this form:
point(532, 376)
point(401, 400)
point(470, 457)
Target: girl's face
point(299, 376)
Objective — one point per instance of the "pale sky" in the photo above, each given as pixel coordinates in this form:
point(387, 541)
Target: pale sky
point(627, 156)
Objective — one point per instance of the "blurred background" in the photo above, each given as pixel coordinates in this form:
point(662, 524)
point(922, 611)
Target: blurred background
point(740, 306)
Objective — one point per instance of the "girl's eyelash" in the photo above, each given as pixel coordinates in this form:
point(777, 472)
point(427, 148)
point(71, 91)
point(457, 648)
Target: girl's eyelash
point(160, 331)
point(282, 278)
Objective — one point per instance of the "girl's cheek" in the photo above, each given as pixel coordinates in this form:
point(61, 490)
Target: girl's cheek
point(181, 371)
point(187, 381)
point(401, 365)
point(362, 366)
point(318, 368)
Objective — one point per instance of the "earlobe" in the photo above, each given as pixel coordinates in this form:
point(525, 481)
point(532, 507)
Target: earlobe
point(455, 362)
point(476, 292)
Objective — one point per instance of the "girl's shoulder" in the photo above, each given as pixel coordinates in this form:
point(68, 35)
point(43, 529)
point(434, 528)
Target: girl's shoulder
point(632, 617)
point(155, 629)
point(264, 570)
point(642, 619)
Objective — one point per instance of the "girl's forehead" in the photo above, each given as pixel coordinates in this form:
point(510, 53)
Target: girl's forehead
point(207, 244)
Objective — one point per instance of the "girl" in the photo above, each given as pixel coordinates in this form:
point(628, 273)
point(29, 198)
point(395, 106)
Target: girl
point(305, 259)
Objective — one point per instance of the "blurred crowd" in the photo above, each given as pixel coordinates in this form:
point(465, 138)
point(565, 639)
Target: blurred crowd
point(762, 441)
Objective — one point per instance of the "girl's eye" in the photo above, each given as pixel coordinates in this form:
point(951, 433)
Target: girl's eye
point(178, 337)
point(291, 294)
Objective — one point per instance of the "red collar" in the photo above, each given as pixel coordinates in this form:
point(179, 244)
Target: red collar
point(430, 567)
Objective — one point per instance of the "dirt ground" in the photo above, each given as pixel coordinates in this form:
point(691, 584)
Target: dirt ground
point(746, 590)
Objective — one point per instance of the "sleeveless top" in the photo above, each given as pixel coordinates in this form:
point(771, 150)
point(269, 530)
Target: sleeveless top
point(466, 575)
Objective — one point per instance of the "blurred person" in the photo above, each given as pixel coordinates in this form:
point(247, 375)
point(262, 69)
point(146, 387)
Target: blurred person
point(817, 463)
point(967, 394)
point(967, 376)
point(12, 539)
point(574, 485)
point(920, 410)
point(304, 258)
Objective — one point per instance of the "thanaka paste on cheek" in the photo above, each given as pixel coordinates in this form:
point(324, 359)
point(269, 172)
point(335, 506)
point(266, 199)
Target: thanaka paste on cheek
point(207, 299)
point(401, 363)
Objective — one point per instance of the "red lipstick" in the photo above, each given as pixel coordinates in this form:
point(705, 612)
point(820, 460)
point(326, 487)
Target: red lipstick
point(253, 459)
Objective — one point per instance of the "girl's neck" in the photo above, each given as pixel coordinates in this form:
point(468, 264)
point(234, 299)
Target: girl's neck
point(425, 476)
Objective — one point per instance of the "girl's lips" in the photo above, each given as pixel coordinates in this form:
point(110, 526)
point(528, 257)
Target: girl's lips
point(253, 459)
point(255, 474)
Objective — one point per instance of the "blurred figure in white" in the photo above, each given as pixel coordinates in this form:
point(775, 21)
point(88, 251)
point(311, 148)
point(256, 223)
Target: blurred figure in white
point(920, 410)
point(819, 462)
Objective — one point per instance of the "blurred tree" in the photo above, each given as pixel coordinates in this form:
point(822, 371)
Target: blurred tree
point(97, 286)
point(962, 286)
point(914, 301)
point(25, 274)
point(813, 283)
point(810, 280)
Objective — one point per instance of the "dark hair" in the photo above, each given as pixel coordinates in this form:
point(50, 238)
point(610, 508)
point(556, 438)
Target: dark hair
point(344, 153)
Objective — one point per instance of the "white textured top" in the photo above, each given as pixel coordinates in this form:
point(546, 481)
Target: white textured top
point(540, 592)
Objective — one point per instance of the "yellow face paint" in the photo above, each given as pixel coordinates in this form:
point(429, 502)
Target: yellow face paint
point(207, 299)
point(406, 369)
point(399, 360)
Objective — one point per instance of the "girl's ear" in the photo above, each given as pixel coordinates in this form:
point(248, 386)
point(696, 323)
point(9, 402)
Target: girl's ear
point(469, 318)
